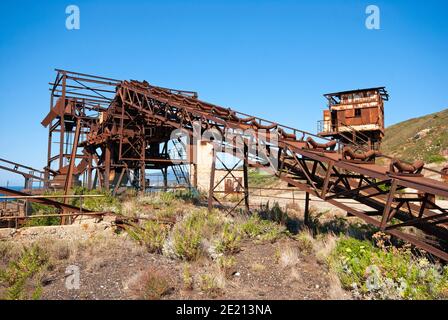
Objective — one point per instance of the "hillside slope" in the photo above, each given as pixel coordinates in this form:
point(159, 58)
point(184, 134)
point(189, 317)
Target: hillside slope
point(424, 138)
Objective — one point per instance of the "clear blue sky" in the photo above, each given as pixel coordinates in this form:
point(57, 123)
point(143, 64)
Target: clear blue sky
point(273, 59)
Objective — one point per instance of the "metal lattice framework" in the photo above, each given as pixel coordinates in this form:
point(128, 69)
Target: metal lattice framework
point(118, 128)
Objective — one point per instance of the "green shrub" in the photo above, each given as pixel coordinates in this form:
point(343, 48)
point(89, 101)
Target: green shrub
point(40, 209)
point(338, 225)
point(105, 203)
point(189, 233)
point(162, 200)
point(275, 213)
point(150, 200)
point(234, 198)
point(169, 213)
point(209, 284)
point(226, 264)
point(255, 227)
point(152, 235)
point(229, 241)
point(387, 273)
point(5, 249)
point(435, 158)
point(23, 272)
point(305, 242)
point(252, 227)
point(187, 277)
point(190, 195)
point(167, 198)
point(259, 178)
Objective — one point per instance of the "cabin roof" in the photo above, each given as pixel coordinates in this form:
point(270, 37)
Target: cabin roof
point(382, 91)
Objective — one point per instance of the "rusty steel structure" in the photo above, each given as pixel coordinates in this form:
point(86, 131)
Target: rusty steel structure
point(108, 132)
point(100, 140)
point(355, 117)
point(65, 211)
point(31, 175)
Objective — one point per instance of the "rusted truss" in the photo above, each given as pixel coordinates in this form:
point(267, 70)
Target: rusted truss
point(243, 184)
point(42, 200)
point(30, 174)
point(135, 119)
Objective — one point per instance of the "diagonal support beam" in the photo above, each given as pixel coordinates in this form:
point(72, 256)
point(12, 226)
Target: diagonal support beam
point(387, 208)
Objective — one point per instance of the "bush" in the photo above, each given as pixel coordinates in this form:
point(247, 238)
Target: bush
point(187, 241)
point(40, 209)
point(43, 221)
point(386, 273)
point(5, 249)
point(305, 242)
point(167, 198)
point(190, 195)
point(106, 203)
point(339, 226)
point(152, 284)
point(187, 278)
point(257, 178)
point(275, 213)
point(24, 273)
point(264, 230)
point(150, 200)
point(169, 213)
point(162, 200)
point(189, 233)
point(234, 198)
point(435, 158)
point(152, 235)
point(211, 284)
point(225, 263)
point(229, 241)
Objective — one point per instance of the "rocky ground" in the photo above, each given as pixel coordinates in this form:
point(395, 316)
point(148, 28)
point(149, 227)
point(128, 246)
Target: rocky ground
point(113, 266)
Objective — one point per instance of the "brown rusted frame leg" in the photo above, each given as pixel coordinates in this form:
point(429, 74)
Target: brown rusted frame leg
point(306, 212)
point(387, 208)
point(327, 179)
point(245, 177)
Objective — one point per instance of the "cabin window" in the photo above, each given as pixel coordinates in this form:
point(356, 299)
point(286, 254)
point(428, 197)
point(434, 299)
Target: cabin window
point(357, 113)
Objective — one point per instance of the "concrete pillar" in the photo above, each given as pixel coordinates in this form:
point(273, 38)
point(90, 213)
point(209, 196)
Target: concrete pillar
point(204, 157)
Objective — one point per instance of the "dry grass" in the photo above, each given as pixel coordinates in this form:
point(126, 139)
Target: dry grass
point(208, 241)
point(305, 241)
point(150, 284)
point(227, 264)
point(293, 206)
point(213, 282)
point(94, 249)
point(324, 247)
point(406, 141)
point(187, 277)
point(129, 208)
point(289, 256)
